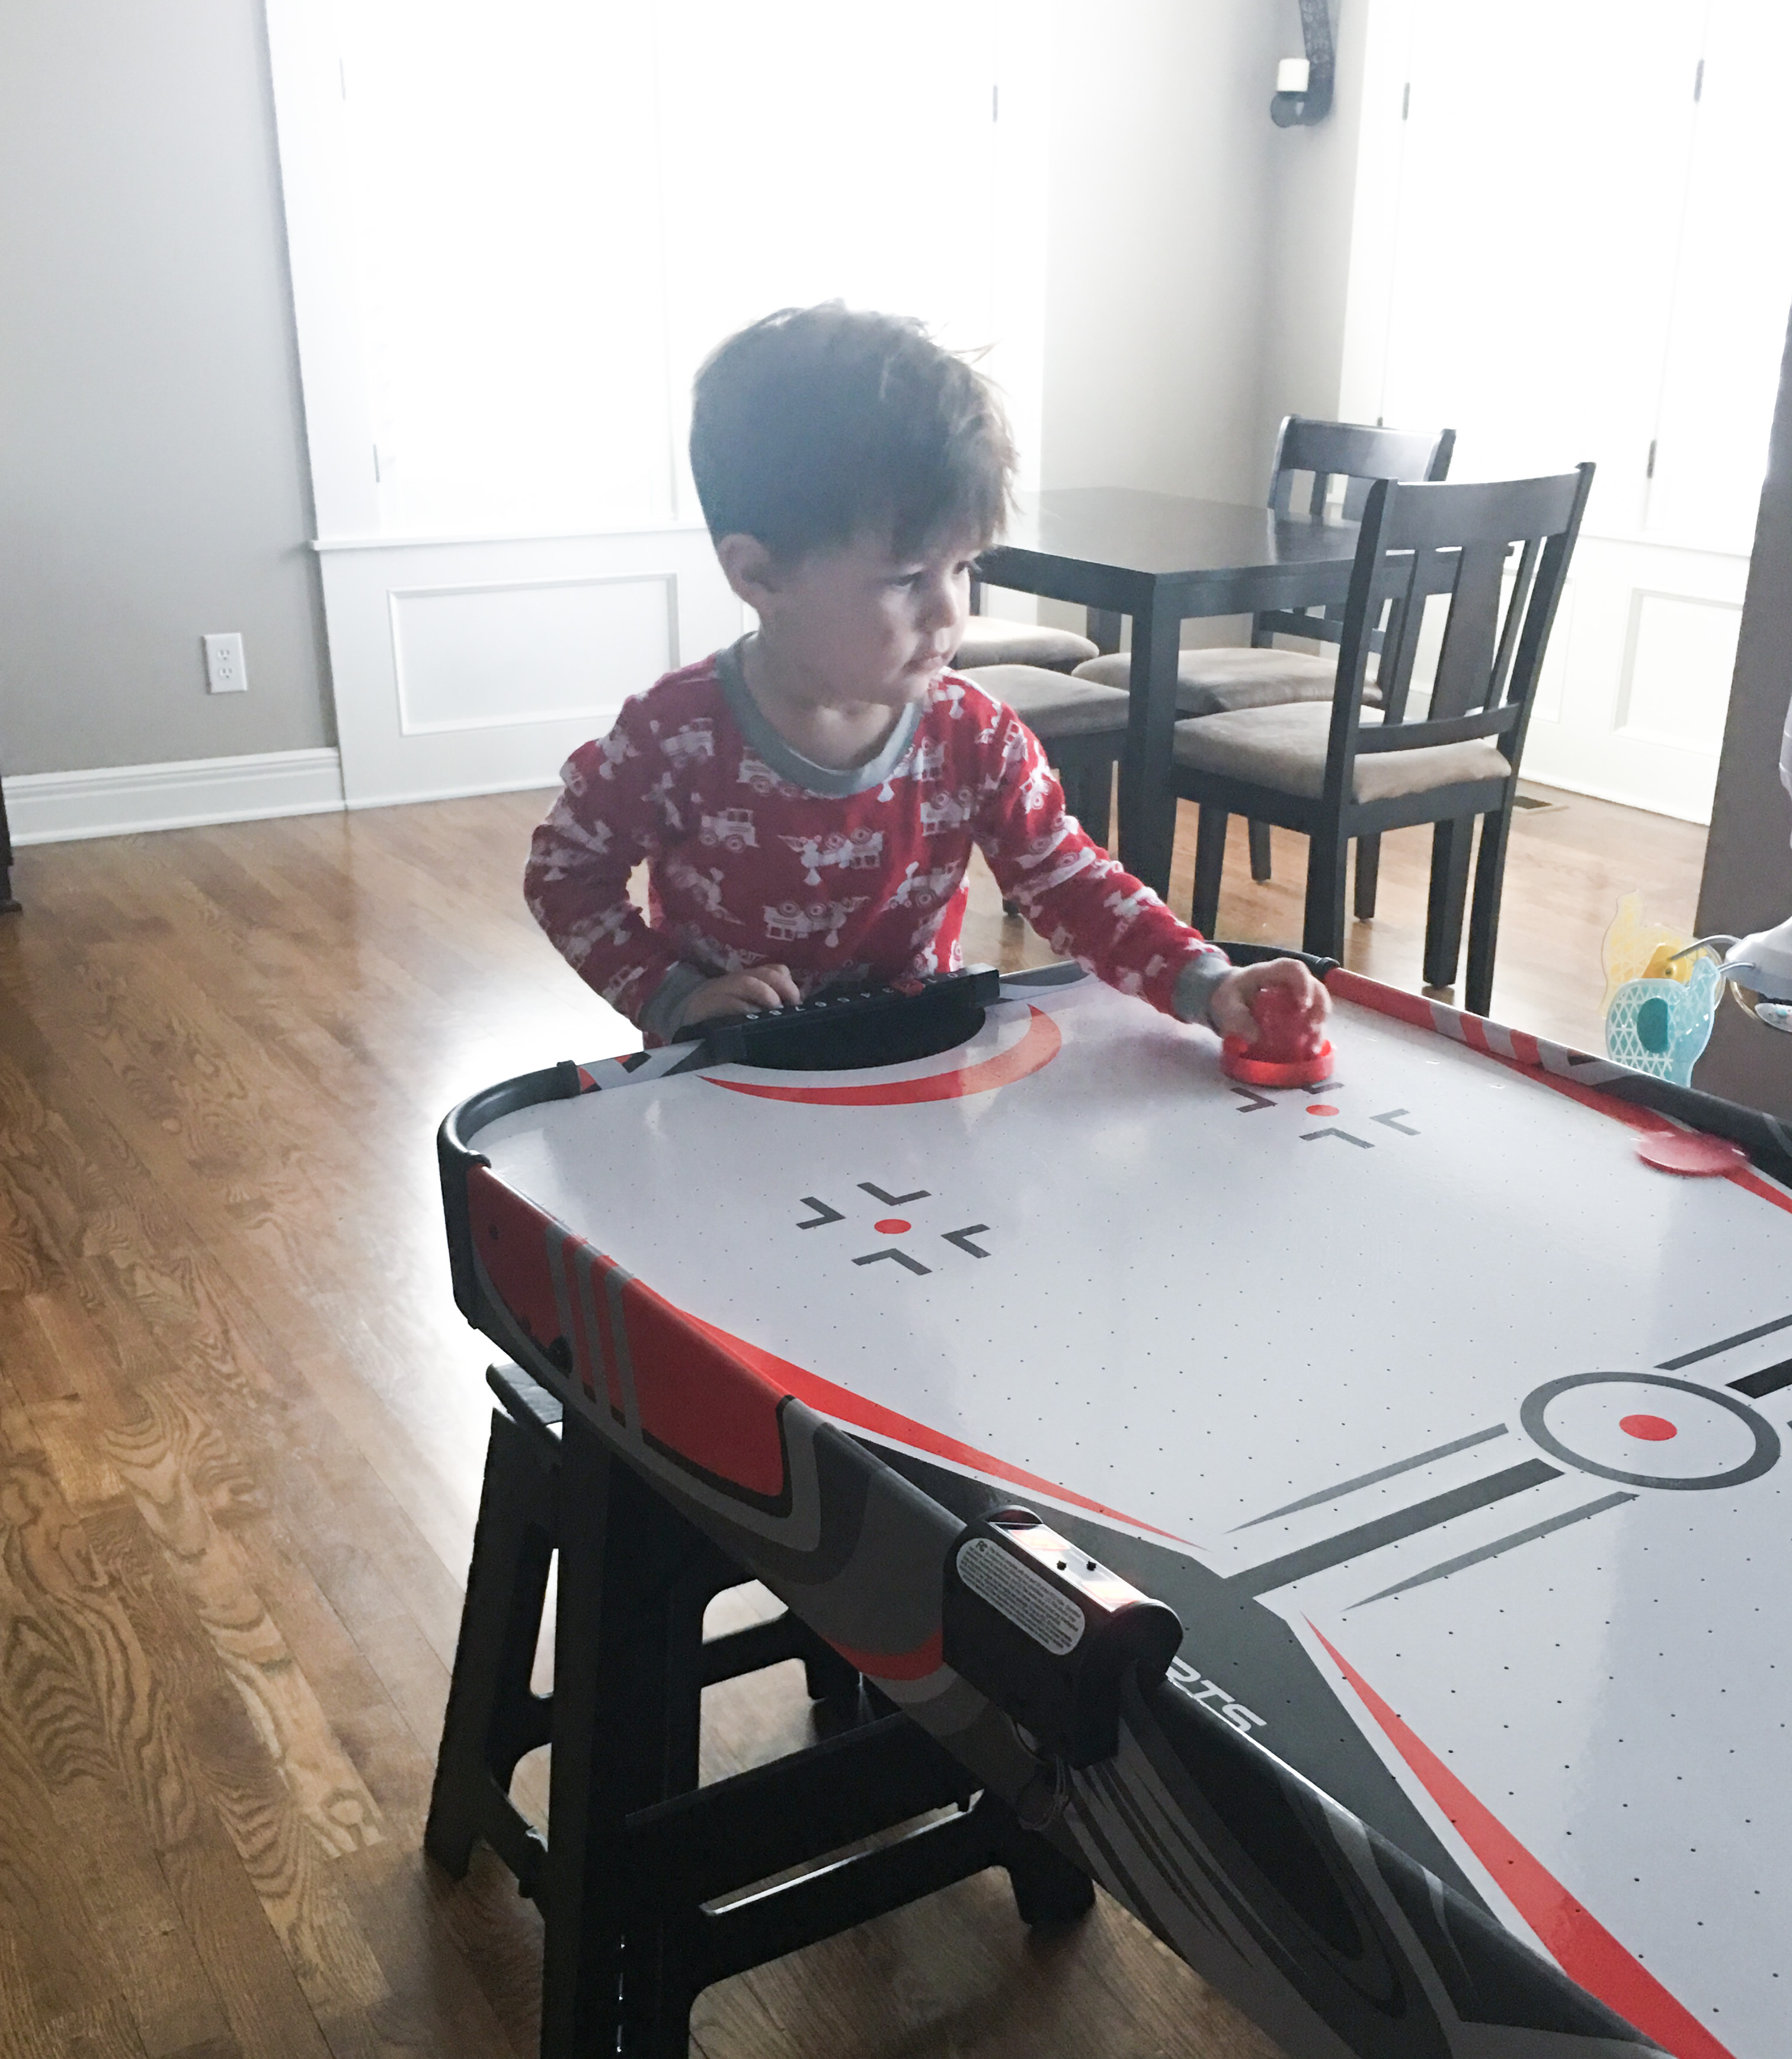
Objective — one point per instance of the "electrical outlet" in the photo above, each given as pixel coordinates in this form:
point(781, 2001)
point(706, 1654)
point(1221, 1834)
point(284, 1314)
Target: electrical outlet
point(225, 670)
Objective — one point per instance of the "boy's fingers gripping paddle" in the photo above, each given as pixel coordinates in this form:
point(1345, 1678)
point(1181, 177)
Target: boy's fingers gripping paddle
point(1290, 1050)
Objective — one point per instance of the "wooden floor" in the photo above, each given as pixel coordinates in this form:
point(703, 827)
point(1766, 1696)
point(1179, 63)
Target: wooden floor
point(241, 1428)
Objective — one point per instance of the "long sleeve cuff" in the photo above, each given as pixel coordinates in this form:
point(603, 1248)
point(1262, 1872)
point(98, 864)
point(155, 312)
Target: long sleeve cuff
point(1194, 985)
point(659, 1019)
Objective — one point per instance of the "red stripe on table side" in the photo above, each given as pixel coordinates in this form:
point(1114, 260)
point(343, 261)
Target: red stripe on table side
point(510, 1234)
point(698, 1397)
point(1575, 1937)
point(1032, 1053)
point(840, 1403)
point(749, 1401)
point(1527, 1060)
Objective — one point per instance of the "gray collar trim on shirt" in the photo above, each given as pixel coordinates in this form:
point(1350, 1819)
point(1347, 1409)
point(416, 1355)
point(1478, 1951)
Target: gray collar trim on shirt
point(791, 765)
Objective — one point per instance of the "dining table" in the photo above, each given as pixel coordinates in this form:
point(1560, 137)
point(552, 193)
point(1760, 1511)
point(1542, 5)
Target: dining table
point(1162, 559)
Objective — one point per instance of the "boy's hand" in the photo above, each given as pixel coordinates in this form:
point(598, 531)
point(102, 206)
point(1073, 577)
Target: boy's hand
point(736, 993)
point(1229, 1011)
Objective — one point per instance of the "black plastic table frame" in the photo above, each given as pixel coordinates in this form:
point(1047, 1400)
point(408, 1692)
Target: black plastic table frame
point(636, 1850)
point(1161, 560)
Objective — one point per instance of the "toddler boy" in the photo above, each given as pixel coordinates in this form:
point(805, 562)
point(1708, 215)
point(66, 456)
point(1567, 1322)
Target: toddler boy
point(807, 800)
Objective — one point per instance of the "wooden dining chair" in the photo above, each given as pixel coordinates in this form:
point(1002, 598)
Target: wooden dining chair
point(1342, 771)
point(994, 639)
point(1346, 457)
point(1082, 727)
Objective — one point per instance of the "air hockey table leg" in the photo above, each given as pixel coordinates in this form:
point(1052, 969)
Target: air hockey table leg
point(614, 1733)
point(493, 1717)
point(1047, 1888)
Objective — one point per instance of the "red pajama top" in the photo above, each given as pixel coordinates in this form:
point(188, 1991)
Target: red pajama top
point(755, 854)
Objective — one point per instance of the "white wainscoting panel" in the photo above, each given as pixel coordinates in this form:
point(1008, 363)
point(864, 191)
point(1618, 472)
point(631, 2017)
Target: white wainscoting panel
point(476, 665)
point(480, 656)
point(1636, 680)
point(1682, 651)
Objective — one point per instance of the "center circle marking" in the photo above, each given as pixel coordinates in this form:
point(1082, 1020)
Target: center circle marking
point(891, 1225)
point(1533, 1411)
point(1652, 1429)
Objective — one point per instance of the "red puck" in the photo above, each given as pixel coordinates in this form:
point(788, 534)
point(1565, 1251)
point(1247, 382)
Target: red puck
point(1690, 1151)
point(1237, 1063)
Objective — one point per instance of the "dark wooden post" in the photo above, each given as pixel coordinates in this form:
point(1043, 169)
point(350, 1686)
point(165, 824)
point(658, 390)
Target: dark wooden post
point(8, 905)
point(1747, 884)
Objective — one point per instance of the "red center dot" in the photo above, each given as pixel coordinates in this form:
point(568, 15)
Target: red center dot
point(1320, 1108)
point(1652, 1429)
point(894, 1226)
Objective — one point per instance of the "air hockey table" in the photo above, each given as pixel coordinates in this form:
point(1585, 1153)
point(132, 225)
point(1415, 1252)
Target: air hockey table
point(1450, 1429)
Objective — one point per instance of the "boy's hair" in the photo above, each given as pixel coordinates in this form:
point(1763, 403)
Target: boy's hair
point(817, 424)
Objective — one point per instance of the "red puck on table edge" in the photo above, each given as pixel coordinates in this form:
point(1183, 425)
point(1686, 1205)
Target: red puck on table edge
point(1690, 1151)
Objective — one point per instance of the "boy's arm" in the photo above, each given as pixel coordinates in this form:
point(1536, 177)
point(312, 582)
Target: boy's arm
point(1084, 904)
point(606, 819)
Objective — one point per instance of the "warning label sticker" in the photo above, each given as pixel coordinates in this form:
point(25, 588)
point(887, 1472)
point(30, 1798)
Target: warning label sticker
point(1028, 1601)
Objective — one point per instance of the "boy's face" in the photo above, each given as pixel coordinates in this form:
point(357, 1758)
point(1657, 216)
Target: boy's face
point(857, 624)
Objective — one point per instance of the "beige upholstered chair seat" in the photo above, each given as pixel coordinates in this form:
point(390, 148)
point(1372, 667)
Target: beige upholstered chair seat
point(1218, 680)
point(1284, 748)
point(988, 639)
point(1052, 704)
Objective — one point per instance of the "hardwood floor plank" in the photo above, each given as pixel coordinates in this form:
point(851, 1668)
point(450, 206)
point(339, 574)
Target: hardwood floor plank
point(73, 1671)
point(435, 2001)
point(106, 2031)
point(172, 2007)
point(263, 2004)
point(56, 1961)
point(178, 1470)
point(241, 1750)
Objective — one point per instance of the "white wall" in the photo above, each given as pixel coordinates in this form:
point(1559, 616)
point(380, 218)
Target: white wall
point(1157, 216)
point(153, 479)
point(1312, 190)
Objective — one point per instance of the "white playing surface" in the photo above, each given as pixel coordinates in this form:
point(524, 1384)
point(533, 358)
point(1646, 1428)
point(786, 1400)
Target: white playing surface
point(1197, 1308)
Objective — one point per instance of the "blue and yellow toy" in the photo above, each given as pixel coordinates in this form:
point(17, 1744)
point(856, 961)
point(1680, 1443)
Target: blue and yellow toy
point(1661, 991)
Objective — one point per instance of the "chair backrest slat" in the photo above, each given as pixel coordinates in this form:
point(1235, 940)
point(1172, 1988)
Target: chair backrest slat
point(1465, 662)
point(1421, 541)
point(1516, 604)
point(1357, 454)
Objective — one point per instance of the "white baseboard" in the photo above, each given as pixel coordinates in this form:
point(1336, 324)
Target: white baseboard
point(121, 800)
point(534, 782)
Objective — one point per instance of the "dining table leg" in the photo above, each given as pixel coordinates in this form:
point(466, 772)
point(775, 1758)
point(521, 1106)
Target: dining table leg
point(1102, 625)
point(1147, 795)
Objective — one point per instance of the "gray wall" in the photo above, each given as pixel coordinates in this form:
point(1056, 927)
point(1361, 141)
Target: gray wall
point(1157, 218)
point(152, 476)
point(1198, 255)
point(1747, 884)
point(1312, 191)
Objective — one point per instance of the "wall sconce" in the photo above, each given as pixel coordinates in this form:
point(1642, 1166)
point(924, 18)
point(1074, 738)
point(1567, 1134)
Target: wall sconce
point(1304, 84)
